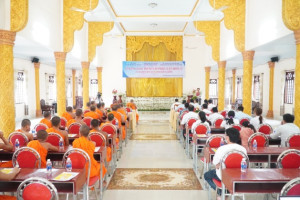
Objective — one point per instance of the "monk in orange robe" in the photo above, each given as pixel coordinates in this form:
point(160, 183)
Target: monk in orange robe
point(9, 177)
point(55, 121)
point(92, 113)
point(25, 128)
point(78, 118)
point(84, 143)
point(41, 146)
point(95, 128)
point(47, 119)
point(110, 118)
point(99, 111)
point(8, 147)
point(68, 115)
point(124, 114)
point(133, 106)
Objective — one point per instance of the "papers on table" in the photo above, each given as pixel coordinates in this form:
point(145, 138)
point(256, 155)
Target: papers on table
point(72, 135)
point(214, 149)
point(97, 149)
point(65, 176)
point(6, 170)
point(201, 135)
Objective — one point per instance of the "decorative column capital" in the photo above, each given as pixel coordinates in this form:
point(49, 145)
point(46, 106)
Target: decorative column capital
point(207, 69)
point(271, 64)
point(222, 64)
point(99, 69)
point(297, 36)
point(233, 71)
point(248, 55)
point(73, 72)
point(85, 64)
point(60, 56)
point(37, 65)
point(7, 37)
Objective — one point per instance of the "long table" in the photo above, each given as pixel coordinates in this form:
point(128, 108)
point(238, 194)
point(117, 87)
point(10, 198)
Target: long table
point(72, 186)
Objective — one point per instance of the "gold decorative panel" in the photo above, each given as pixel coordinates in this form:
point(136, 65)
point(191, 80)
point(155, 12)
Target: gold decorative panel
point(291, 14)
point(18, 14)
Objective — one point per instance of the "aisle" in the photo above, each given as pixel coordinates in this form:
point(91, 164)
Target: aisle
point(144, 156)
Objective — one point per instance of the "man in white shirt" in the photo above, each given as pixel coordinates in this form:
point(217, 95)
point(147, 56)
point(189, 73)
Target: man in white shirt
point(174, 105)
point(215, 115)
point(188, 115)
point(196, 105)
point(232, 138)
point(181, 105)
point(239, 114)
point(286, 129)
point(204, 109)
point(210, 104)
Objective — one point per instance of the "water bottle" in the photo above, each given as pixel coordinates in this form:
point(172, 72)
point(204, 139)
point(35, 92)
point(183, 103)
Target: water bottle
point(222, 142)
point(243, 165)
point(68, 165)
point(208, 133)
point(17, 144)
point(33, 133)
point(49, 166)
point(61, 144)
point(254, 145)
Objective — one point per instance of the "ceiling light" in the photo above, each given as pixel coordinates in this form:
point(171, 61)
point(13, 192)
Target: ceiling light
point(153, 25)
point(152, 5)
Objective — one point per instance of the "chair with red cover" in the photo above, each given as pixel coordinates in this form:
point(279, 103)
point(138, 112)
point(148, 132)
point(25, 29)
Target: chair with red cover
point(23, 140)
point(54, 138)
point(87, 121)
point(289, 159)
point(243, 120)
point(291, 188)
point(37, 188)
point(98, 138)
point(63, 123)
point(224, 113)
point(40, 126)
point(86, 111)
point(74, 128)
point(26, 157)
point(112, 130)
point(80, 159)
point(237, 127)
point(293, 140)
point(128, 109)
point(188, 135)
point(261, 139)
point(265, 129)
point(217, 122)
point(231, 159)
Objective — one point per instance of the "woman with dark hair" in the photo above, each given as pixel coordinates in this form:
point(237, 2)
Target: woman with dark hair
point(246, 131)
point(230, 121)
point(258, 120)
point(202, 120)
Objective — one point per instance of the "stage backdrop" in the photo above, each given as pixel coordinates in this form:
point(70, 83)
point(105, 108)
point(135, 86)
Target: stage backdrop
point(154, 48)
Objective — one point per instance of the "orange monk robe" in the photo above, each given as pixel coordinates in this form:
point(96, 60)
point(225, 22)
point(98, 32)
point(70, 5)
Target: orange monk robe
point(89, 147)
point(35, 144)
point(4, 197)
point(67, 116)
point(52, 130)
point(123, 112)
point(100, 113)
point(7, 164)
point(108, 149)
point(46, 122)
point(133, 107)
point(92, 114)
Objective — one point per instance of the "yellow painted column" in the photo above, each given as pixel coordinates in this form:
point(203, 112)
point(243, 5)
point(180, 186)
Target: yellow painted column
point(271, 89)
point(60, 58)
point(7, 106)
point(247, 81)
point(207, 79)
point(99, 73)
point(297, 79)
point(233, 85)
point(73, 86)
point(221, 85)
point(85, 82)
point(37, 89)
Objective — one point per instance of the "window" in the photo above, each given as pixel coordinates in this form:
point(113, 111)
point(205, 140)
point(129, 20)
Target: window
point(213, 88)
point(289, 87)
point(256, 88)
point(20, 88)
point(93, 87)
point(52, 88)
point(69, 88)
point(239, 94)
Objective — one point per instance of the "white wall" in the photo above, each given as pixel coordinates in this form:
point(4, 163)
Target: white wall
point(227, 47)
point(5, 14)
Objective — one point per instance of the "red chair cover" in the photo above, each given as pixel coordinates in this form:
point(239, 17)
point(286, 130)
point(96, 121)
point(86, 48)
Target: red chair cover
point(233, 160)
point(22, 140)
point(87, 121)
point(74, 128)
point(295, 141)
point(265, 129)
point(86, 111)
point(223, 113)
point(63, 122)
point(115, 121)
point(40, 127)
point(218, 122)
point(191, 122)
point(78, 160)
point(237, 127)
point(291, 160)
point(217, 183)
point(97, 139)
point(108, 129)
point(128, 109)
point(261, 141)
point(26, 159)
point(243, 120)
point(182, 114)
point(36, 191)
point(53, 139)
point(294, 191)
point(201, 129)
point(215, 142)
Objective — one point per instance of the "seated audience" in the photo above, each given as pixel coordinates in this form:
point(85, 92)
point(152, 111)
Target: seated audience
point(41, 146)
point(78, 118)
point(55, 121)
point(215, 115)
point(186, 108)
point(258, 120)
point(174, 105)
point(182, 105)
point(25, 128)
point(47, 119)
point(84, 143)
point(99, 111)
point(110, 118)
point(232, 138)
point(188, 115)
point(9, 177)
point(230, 121)
point(7, 147)
point(205, 109)
point(88, 105)
point(286, 129)
point(92, 113)
point(192, 102)
point(240, 114)
point(133, 106)
point(68, 115)
point(210, 104)
point(246, 131)
point(202, 120)
point(197, 105)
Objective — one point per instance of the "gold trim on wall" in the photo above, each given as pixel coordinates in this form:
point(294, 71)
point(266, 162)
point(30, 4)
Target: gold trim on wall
point(18, 14)
point(153, 31)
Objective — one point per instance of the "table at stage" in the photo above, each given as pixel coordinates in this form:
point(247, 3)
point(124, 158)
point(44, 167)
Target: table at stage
point(257, 180)
point(72, 186)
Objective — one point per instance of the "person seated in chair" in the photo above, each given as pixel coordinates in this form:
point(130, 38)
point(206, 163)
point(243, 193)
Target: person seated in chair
point(182, 105)
point(258, 120)
point(25, 128)
point(185, 118)
point(84, 143)
point(93, 114)
point(7, 147)
point(286, 129)
point(232, 138)
point(210, 105)
point(117, 115)
point(133, 106)
point(47, 119)
point(41, 146)
point(55, 121)
point(205, 109)
point(99, 111)
point(230, 121)
point(78, 118)
point(9, 177)
point(68, 115)
point(110, 118)
point(202, 120)
point(240, 113)
point(197, 105)
point(215, 115)
point(175, 104)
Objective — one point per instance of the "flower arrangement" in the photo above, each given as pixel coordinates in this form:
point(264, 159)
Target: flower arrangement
point(115, 92)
